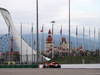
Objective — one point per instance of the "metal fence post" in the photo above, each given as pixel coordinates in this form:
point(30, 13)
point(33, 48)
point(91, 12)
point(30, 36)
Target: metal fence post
point(90, 57)
point(34, 58)
point(65, 58)
point(73, 57)
point(58, 58)
point(42, 58)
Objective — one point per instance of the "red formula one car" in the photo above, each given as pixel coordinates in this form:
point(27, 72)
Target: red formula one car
point(51, 65)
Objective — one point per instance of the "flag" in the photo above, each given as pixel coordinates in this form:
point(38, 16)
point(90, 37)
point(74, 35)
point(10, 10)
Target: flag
point(76, 31)
point(32, 29)
point(61, 30)
point(42, 29)
point(76, 37)
point(69, 51)
point(34, 42)
point(21, 28)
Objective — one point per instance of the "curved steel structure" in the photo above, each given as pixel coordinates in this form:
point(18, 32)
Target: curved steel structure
point(6, 15)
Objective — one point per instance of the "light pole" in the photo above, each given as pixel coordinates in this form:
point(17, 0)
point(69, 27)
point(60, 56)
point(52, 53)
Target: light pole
point(37, 26)
point(9, 42)
point(89, 45)
point(32, 42)
point(99, 43)
point(69, 25)
point(52, 37)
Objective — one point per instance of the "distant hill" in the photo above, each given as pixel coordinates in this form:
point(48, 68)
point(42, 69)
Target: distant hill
point(57, 39)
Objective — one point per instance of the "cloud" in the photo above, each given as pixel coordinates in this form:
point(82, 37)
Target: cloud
point(25, 11)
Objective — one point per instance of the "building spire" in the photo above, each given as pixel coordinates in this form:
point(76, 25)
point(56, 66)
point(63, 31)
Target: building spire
point(49, 32)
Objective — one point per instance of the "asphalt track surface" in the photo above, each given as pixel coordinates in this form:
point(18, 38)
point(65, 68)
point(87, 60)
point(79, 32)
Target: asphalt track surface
point(29, 71)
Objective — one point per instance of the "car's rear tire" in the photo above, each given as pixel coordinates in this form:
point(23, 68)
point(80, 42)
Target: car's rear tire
point(58, 66)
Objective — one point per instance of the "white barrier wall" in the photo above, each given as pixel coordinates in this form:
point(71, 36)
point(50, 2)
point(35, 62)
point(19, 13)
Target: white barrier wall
point(88, 66)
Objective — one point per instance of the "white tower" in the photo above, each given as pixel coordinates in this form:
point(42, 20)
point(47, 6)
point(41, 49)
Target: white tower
point(6, 15)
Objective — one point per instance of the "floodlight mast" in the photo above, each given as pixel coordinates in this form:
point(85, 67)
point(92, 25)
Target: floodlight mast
point(37, 26)
point(69, 25)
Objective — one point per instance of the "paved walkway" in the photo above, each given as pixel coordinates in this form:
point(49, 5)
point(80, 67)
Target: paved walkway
point(29, 71)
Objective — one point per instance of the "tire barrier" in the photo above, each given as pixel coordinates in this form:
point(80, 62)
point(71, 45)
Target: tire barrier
point(19, 66)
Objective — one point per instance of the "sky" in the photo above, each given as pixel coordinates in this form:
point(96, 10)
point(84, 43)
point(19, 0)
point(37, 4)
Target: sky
point(82, 13)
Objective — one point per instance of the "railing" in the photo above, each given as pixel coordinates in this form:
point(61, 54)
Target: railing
point(78, 59)
point(61, 59)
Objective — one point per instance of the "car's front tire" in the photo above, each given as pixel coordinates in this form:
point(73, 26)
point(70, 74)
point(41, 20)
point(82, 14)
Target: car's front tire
point(58, 66)
point(44, 66)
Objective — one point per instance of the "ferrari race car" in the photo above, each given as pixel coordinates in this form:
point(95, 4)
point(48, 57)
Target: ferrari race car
point(51, 65)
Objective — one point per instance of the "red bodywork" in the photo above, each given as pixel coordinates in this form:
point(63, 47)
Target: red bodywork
point(51, 65)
